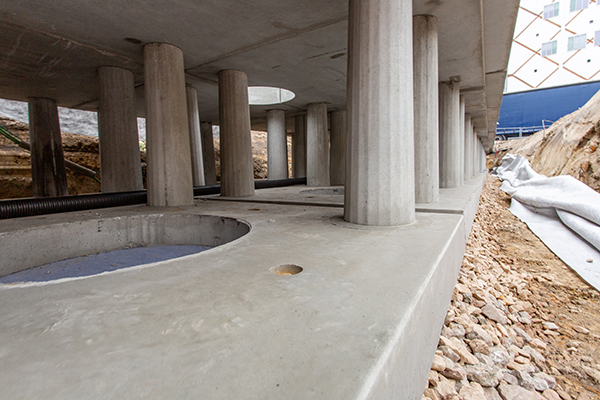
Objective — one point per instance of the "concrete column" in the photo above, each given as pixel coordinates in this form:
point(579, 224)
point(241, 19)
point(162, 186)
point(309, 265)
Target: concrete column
point(474, 153)
point(120, 161)
point(317, 145)
point(49, 178)
point(195, 140)
point(299, 147)
point(208, 153)
point(337, 165)
point(167, 130)
point(425, 67)
point(468, 147)
point(237, 168)
point(276, 145)
point(380, 185)
point(450, 132)
point(483, 158)
point(461, 138)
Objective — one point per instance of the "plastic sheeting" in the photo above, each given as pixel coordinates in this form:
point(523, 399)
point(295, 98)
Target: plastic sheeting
point(562, 211)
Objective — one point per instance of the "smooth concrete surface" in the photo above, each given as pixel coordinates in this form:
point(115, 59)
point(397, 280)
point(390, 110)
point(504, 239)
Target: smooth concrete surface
point(237, 168)
point(277, 160)
point(299, 147)
point(220, 324)
point(468, 148)
point(380, 174)
point(120, 162)
point(167, 129)
point(49, 177)
point(195, 136)
point(450, 131)
point(317, 145)
point(337, 149)
point(425, 69)
point(208, 153)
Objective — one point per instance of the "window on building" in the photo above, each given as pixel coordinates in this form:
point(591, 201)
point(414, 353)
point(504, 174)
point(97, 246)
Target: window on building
point(578, 4)
point(549, 48)
point(577, 42)
point(551, 10)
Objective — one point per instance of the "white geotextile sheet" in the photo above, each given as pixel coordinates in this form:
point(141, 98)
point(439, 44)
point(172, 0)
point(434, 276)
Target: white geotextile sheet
point(562, 211)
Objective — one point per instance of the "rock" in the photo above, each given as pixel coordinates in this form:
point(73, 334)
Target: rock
point(513, 392)
point(540, 384)
point(514, 366)
point(472, 392)
point(479, 346)
point(447, 351)
point(522, 334)
point(524, 317)
point(432, 394)
point(525, 380)
point(446, 389)
point(499, 356)
point(581, 329)
point(592, 373)
point(551, 326)
point(583, 396)
point(539, 344)
point(454, 371)
point(533, 354)
point(484, 375)
point(491, 394)
point(549, 379)
point(493, 313)
point(550, 394)
point(477, 332)
point(439, 364)
point(508, 377)
point(433, 378)
point(459, 348)
point(456, 330)
point(563, 395)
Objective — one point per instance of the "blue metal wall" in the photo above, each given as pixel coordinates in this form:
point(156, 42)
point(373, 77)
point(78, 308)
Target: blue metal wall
point(527, 109)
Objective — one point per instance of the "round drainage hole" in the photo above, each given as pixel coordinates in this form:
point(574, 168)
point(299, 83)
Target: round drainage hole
point(286, 269)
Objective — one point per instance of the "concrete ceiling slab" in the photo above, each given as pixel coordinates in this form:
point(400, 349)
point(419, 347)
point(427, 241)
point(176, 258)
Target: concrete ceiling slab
point(52, 49)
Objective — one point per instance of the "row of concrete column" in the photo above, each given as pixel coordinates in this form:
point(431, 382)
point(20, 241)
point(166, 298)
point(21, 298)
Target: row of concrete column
point(318, 152)
point(406, 135)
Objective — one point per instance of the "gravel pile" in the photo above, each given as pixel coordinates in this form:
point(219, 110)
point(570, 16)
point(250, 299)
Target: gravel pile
point(497, 336)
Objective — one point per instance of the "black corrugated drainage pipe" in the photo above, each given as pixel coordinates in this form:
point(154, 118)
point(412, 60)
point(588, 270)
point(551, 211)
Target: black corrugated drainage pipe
point(51, 205)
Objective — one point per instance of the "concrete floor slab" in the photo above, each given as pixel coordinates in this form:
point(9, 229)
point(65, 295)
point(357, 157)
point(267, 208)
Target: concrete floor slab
point(361, 320)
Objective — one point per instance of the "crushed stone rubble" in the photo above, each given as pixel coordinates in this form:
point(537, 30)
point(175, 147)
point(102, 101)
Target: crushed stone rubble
point(494, 339)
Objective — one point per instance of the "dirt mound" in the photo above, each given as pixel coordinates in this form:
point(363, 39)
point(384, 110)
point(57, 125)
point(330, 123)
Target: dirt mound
point(15, 162)
point(568, 147)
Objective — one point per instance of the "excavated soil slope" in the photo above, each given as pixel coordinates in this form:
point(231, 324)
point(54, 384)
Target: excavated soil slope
point(568, 147)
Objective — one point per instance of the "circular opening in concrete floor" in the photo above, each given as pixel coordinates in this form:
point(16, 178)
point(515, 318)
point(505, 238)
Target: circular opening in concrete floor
point(266, 95)
point(286, 269)
point(88, 247)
